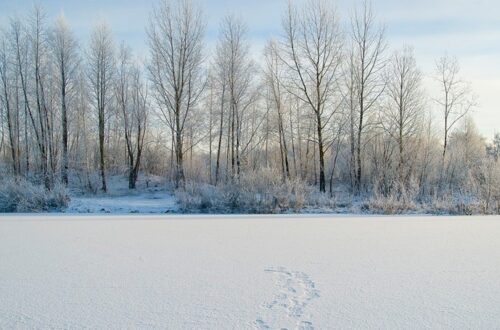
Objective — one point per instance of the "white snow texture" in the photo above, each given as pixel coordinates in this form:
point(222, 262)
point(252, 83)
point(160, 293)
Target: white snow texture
point(249, 272)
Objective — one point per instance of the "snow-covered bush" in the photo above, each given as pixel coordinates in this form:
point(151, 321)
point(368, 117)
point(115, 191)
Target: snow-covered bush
point(400, 199)
point(22, 196)
point(264, 191)
point(316, 199)
point(389, 205)
point(198, 196)
point(459, 204)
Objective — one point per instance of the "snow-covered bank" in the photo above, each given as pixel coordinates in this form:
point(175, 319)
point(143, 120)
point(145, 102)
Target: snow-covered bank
point(185, 272)
point(151, 196)
point(159, 202)
point(252, 195)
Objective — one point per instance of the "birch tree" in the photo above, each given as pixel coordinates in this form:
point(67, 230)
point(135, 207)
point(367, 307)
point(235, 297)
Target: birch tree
point(101, 67)
point(175, 36)
point(8, 111)
point(456, 98)
point(368, 46)
point(404, 109)
point(220, 82)
point(131, 99)
point(274, 79)
point(64, 48)
point(312, 52)
point(20, 48)
point(234, 51)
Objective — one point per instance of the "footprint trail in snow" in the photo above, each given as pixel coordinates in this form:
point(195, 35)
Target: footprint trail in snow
point(287, 309)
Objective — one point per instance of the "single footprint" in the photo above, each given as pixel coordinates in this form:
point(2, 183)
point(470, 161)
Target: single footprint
point(261, 325)
point(305, 325)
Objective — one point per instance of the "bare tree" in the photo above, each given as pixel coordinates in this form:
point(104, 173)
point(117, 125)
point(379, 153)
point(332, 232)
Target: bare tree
point(456, 99)
point(64, 48)
point(20, 47)
point(274, 78)
point(211, 100)
point(176, 40)
point(368, 46)
point(82, 145)
point(6, 102)
point(140, 115)
point(404, 109)
point(30, 44)
point(312, 53)
point(220, 80)
point(100, 70)
point(350, 106)
point(131, 99)
point(234, 50)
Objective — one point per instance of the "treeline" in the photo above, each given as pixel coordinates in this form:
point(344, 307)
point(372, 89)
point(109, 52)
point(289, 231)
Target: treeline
point(324, 105)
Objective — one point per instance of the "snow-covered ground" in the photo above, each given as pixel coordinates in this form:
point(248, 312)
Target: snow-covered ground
point(151, 196)
point(152, 202)
point(247, 272)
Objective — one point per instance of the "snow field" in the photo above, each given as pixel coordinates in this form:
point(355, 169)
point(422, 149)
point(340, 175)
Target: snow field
point(249, 272)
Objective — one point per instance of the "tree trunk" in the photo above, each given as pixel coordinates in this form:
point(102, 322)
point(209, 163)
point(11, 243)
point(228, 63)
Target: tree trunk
point(179, 156)
point(101, 148)
point(64, 121)
point(358, 155)
point(322, 181)
point(219, 144)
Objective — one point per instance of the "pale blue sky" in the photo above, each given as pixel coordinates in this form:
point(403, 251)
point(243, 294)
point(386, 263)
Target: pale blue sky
point(465, 28)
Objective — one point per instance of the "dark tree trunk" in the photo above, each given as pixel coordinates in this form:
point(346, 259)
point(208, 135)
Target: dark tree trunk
point(219, 144)
point(64, 121)
point(321, 151)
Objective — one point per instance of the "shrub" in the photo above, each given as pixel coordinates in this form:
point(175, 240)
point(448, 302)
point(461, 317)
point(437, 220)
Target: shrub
point(399, 200)
point(22, 196)
point(389, 204)
point(255, 192)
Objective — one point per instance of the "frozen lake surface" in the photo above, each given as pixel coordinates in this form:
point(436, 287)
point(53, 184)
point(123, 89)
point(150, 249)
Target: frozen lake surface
point(249, 272)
